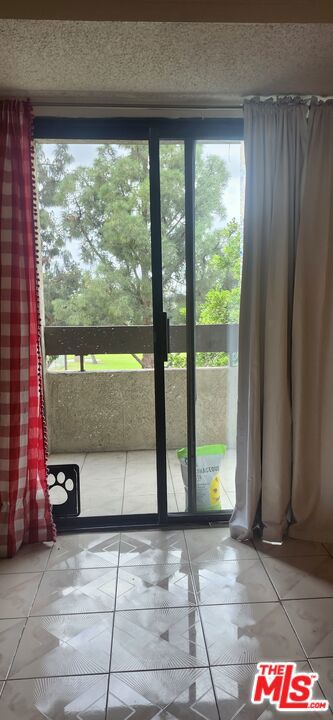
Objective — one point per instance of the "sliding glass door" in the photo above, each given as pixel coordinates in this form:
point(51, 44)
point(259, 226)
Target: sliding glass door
point(201, 296)
point(141, 250)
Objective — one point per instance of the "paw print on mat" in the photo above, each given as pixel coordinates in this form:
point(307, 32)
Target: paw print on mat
point(59, 487)
point(64, 490)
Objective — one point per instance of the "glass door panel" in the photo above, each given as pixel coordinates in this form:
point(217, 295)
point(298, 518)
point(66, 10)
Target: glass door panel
point(201, 231)
point(219, 193)
point(94, 202)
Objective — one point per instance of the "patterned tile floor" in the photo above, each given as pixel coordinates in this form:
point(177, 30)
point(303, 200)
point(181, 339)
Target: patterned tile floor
point(159, 625)
point(118, 483)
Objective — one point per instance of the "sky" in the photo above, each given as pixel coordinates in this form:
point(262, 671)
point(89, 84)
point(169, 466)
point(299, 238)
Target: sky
point(231, 154)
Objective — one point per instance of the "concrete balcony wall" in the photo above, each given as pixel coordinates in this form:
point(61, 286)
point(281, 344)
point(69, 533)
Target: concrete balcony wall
point(107, 411)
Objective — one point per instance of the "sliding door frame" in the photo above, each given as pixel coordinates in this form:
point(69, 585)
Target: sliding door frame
point(155, 130)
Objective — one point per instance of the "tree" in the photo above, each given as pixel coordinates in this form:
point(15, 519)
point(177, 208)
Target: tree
point(102, 210)
point(62, 276)
point(221, 305)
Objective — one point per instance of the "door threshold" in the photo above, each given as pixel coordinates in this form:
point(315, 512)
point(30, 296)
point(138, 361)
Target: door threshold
point(132, 523)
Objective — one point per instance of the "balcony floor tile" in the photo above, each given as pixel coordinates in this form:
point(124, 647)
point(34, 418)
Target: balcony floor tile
point(119, 483)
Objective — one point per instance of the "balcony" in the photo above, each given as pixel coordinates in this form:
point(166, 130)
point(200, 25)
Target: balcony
point(105, 420)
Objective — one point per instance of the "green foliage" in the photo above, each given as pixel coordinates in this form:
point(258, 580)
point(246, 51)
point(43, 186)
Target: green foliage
point(213, 359)
point(221, 304)
point(177, 360)
point(95, 230)
point(62, 276)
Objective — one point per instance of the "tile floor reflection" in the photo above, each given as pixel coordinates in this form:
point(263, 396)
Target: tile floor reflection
point(159, 624)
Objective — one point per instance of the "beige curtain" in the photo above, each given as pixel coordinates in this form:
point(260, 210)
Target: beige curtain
point(312, 362)
point(275, 146)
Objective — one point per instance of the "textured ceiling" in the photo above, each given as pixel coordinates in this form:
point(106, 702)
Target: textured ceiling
point(162, 62)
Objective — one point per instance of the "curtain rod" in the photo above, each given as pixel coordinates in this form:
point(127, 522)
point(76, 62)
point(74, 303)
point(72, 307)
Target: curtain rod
point(77, 109)
point(116, 106)
point(171, 106)
point(233, 110)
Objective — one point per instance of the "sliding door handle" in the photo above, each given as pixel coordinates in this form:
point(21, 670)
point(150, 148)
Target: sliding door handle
point(166, 335)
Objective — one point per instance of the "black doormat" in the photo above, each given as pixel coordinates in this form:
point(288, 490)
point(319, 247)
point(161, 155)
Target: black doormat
point(64, 490)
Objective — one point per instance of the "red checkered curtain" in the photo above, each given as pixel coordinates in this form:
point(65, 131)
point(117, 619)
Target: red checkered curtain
point(25, 513)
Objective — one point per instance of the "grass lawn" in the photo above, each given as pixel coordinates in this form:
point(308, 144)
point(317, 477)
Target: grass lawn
point(104, 362)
